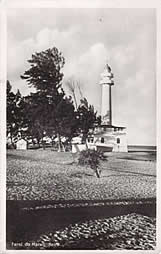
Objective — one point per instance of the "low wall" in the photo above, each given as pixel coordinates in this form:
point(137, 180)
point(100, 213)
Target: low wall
point(78, 148)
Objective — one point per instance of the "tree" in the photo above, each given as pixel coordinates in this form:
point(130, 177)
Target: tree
point(87, 118)
point(85, 113)
point(15, 113)
point(11, 121)
point(63, 118)
point(33, 116)
point(45, 71)
point(49, 109)
point(74, 86)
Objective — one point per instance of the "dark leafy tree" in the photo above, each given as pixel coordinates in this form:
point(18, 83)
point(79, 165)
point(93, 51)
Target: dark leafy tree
point(62, 116)
point(87, 118)
point(11, 121)
point(49, 109)
point(33, 130)
point(15, 113)
point(45, 71)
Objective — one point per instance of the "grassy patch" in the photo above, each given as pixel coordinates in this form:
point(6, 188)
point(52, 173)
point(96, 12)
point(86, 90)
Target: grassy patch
point(48, 175)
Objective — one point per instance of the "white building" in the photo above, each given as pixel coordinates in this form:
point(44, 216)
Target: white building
point(108, 138)
point(21, 144)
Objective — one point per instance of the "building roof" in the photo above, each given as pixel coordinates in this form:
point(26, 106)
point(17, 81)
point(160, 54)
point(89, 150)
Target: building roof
point(112, 126)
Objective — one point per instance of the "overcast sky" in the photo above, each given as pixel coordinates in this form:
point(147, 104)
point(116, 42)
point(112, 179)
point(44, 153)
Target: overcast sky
point(88, 38)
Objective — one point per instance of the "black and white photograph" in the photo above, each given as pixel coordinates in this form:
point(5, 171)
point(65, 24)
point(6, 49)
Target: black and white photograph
point(81, 144)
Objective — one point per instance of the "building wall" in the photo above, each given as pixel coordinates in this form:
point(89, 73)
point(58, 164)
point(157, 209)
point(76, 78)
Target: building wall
point(117, 140)
point(122, 145)
point(21, 144)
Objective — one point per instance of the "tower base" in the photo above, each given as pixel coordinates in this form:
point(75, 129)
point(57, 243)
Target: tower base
point(108, 138)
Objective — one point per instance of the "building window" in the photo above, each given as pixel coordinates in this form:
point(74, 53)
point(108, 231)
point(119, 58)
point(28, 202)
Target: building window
point(102, 140)
point(118, 140)
point(90, 140)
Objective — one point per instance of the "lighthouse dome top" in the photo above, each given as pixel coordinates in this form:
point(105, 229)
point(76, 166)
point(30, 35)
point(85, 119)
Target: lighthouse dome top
point(107, 76)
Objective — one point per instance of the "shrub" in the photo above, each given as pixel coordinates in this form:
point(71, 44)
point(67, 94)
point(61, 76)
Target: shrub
point(92, 159)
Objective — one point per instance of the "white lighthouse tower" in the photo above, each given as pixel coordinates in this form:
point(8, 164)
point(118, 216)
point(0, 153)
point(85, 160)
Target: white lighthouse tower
point(106, 108)
point(107, 136)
